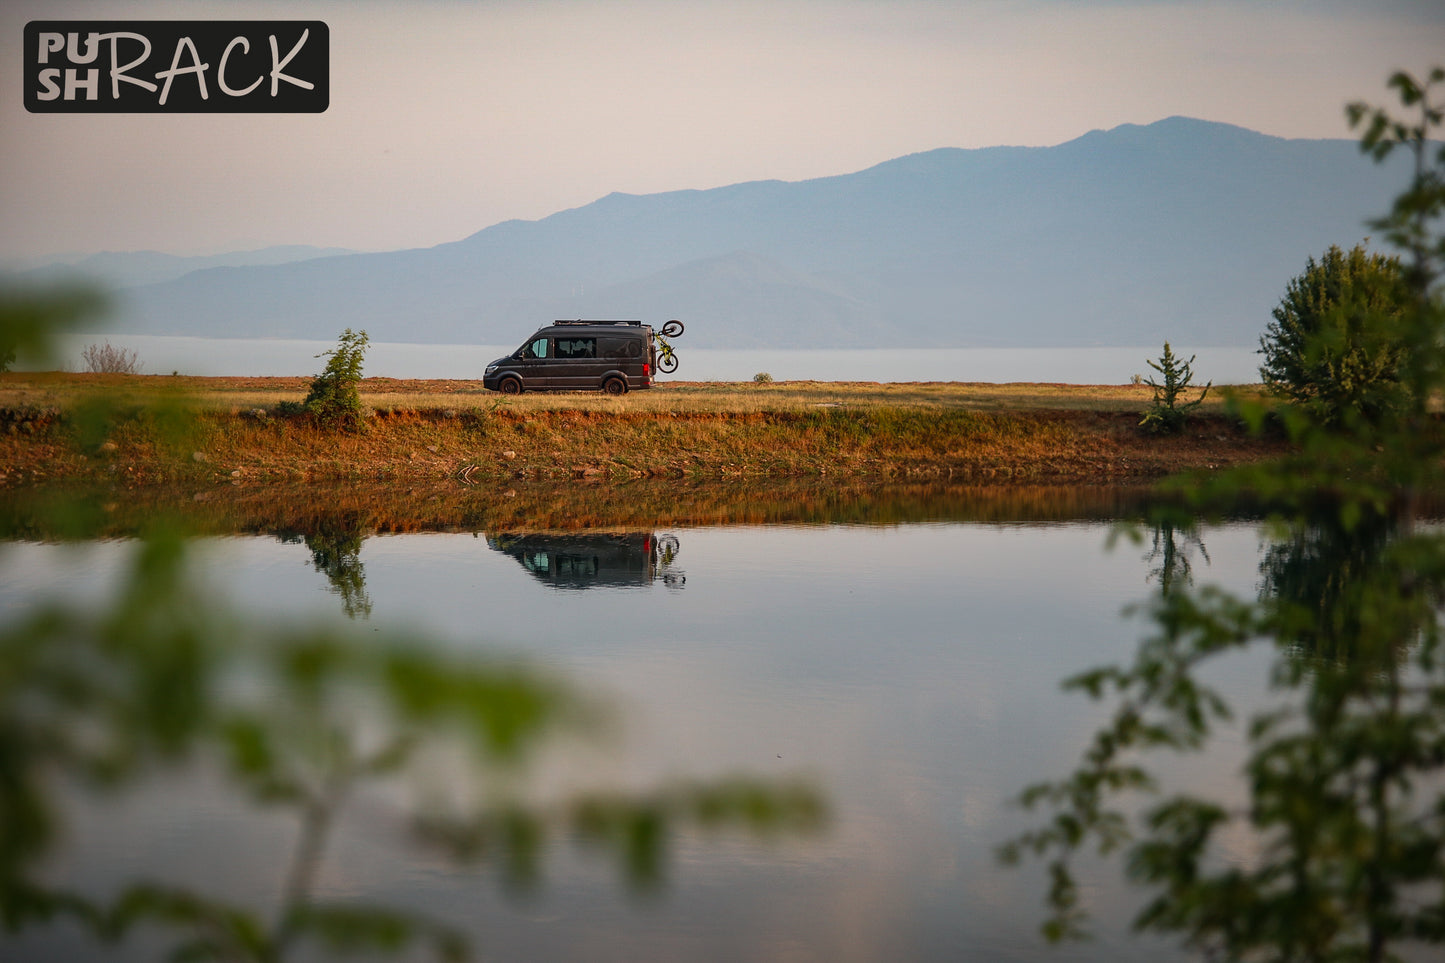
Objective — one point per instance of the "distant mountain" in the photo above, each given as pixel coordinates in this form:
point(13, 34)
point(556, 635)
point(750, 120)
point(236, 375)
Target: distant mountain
point(126, 269)
point(1182, 229)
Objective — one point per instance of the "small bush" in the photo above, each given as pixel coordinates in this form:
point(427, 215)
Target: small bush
point(1165, 415)
point(334, 400)
point(108, 359)
point(762, 378)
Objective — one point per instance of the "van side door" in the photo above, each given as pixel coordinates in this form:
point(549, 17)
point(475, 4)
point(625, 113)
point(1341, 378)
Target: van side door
point(576, 363)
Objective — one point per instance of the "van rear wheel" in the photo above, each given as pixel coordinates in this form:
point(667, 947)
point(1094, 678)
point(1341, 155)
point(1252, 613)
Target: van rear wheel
point(510, 386)
point(615, 386)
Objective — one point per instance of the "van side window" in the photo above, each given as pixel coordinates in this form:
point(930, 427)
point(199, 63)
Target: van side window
point(576, 347)
point(537, 349)
point(621, 347)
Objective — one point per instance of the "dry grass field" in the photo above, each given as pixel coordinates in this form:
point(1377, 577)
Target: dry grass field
point(141, 430)
point(61, 389)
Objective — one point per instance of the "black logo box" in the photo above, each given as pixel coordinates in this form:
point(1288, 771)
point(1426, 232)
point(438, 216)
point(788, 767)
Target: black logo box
point(198, 66)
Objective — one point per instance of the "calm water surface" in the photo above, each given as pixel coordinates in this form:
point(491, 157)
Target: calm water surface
point(912, 672)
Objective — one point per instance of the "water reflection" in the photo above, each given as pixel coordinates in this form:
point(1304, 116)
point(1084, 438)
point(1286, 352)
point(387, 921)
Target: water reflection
point(315, 732)
point(639, 505)
point(595, 560)
point(1321, 577)
point(1175, 541)
point(337, 555)
point(149, 695)
point(892, 645)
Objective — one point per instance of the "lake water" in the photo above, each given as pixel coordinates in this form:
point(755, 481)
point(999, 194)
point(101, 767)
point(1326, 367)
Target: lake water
point(909, 670)
point(1103, 365)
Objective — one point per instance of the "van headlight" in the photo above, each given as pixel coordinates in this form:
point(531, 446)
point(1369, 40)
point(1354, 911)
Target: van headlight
point(491, 368)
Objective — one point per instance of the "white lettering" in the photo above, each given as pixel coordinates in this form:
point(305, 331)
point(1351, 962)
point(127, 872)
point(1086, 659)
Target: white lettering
point(92, 47)
point(50, 43)
point(197, 68)
point(221, 70)
point(118, 74)
point(47, 79)
point(91, 83)
point(276, 75)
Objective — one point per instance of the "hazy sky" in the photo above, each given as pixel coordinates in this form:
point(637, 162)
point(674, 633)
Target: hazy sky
point(447, 116)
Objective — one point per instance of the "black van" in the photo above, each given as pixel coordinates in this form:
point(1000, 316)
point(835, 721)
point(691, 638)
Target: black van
point(610, 356)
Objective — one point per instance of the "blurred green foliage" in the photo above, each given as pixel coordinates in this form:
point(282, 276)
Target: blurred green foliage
point(31, 317)
point(1338, 851)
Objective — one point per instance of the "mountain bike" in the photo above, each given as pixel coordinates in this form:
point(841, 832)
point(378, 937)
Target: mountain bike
point(666, 357)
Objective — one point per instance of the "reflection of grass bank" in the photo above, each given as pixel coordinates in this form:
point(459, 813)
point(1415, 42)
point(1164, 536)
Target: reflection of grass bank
point(298, 510)
point(958, 432)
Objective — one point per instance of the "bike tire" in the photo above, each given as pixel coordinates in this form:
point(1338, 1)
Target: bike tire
point(667, 364)
point(672, 329)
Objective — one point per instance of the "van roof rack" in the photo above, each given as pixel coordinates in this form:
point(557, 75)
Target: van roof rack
point(588, 321)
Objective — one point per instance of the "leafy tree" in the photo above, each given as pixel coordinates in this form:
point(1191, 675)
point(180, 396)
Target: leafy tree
point(1344, 818)
point(1335, 344)
point(334, 400)
point(1166, 416)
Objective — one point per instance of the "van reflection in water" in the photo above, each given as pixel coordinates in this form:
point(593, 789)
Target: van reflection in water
point(567, 561)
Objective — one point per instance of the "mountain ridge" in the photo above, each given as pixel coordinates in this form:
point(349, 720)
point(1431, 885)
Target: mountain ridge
point(1182, 229)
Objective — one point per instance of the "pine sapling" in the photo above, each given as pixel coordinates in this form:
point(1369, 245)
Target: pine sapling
point(1166, 414)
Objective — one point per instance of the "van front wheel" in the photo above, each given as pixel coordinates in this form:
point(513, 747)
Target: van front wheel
point(615, 386)
point(511, 386)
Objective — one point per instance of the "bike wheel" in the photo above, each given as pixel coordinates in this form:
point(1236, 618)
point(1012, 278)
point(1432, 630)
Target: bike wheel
point(672, 329)
point(667, 363)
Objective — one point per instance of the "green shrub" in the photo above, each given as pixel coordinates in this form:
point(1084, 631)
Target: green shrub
point(1165, 415)
point(334, 401)
point(762, 378)
point(1334, 347)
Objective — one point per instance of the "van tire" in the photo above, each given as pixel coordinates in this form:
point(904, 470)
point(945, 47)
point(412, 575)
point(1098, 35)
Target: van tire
point(510, 386)
point(615, 386)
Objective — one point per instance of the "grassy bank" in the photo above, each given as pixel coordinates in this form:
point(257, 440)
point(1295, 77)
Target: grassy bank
point(138, 431)
point(65, 389)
